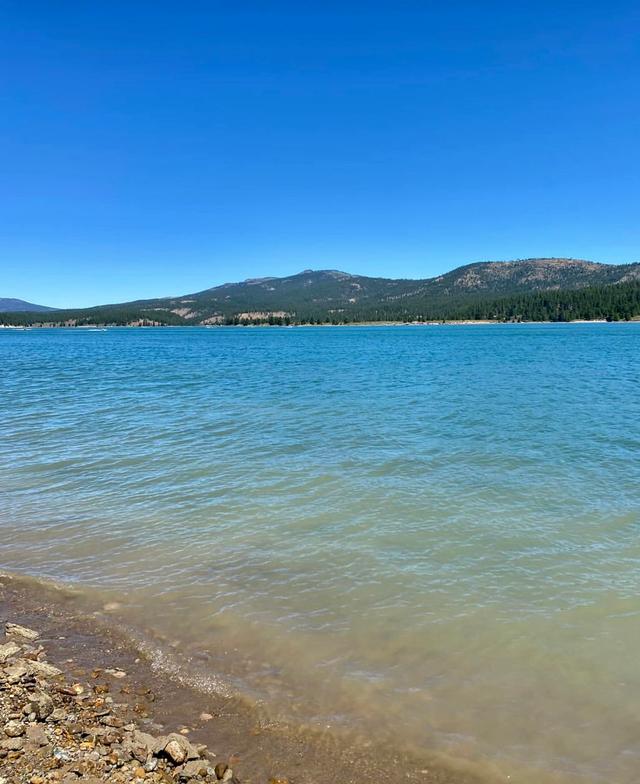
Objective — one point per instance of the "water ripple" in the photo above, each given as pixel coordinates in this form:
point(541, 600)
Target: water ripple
point(433, 528)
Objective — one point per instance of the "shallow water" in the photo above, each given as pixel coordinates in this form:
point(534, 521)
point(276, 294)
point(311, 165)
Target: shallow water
point(426, 533)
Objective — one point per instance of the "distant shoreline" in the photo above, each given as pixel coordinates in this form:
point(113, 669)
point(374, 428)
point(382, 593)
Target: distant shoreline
point(447, 323)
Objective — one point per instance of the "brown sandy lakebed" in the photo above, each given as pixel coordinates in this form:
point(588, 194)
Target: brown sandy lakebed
point(80, 702)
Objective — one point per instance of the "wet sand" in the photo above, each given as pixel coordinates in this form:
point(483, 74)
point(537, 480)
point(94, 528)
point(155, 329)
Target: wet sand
point(80, 640)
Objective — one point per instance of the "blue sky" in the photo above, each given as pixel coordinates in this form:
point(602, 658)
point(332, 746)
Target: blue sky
point(152, 148)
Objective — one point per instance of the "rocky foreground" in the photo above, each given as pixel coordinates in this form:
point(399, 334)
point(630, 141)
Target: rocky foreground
point(53, 729)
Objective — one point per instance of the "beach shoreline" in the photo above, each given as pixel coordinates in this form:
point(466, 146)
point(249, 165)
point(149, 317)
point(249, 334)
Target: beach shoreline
point(447, 323)
point(79, 641)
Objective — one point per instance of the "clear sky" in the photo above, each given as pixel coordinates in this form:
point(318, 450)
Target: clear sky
point(156, 148)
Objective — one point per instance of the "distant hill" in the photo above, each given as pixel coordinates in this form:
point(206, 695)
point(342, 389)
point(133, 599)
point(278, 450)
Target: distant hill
point(19, 305)
point(552, 288)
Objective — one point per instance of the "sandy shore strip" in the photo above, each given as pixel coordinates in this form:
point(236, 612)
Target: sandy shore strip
point(80, 703)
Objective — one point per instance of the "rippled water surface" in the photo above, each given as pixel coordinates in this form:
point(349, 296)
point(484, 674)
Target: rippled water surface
point(430, 534)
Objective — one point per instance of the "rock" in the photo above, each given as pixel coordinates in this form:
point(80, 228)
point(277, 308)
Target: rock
point(12, 744)
point(44, 669)
point(40, 704)
point(57, 714)
point(178, 748)
point(175, 751)
point(205, 717)
point(8, 650)
point(14, 729)
point(64, 689)
point(62, 755)
point(193, 769)
point(278, 780)
point(151, 765)
point(139, 773)
point(140, 745)
point(112, 721)
point(220, 769)
point(21, 631)
point(36, 735)
point(228, 775)
point(15, 672)
point(111, 606)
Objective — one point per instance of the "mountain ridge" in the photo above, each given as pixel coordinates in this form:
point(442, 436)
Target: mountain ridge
point(318, 296)
point(13, 305)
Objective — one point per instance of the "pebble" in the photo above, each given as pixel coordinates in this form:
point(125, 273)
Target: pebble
point(205, 717)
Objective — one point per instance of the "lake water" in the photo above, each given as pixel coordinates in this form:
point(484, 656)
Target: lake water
point(429, 535)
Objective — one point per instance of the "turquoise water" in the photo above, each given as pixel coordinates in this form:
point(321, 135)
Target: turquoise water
point(429, 534)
